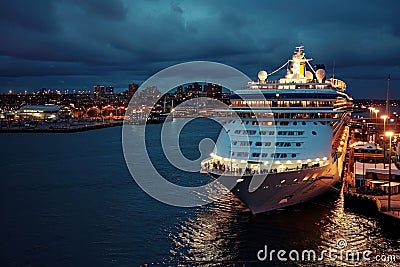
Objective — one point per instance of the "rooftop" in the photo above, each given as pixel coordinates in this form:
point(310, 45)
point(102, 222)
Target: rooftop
point(49, 108)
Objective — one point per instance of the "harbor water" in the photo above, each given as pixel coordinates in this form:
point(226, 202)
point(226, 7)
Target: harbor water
point(67, 199)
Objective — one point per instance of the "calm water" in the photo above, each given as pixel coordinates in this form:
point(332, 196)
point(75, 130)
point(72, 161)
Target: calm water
point(69, 200)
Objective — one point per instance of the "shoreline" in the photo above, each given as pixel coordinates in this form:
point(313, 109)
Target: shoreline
point(62, 129)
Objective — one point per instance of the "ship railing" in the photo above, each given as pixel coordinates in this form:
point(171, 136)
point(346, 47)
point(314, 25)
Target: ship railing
point(226, 170)
point(276, 84)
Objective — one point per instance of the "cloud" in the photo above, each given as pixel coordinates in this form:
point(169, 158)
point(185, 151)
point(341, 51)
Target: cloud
point(39, 19)
point(134, 39)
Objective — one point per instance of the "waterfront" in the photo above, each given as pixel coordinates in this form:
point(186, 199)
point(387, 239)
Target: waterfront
point(68, 200)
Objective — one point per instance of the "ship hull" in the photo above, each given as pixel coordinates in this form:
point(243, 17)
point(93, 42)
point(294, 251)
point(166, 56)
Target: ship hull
point(279, 190)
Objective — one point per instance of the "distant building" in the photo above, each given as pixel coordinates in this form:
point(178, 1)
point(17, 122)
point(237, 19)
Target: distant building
point(98, 89)
point(194, 87)
point(213, 90)
point(101, 90)
point(132, 89)
point(38, 112)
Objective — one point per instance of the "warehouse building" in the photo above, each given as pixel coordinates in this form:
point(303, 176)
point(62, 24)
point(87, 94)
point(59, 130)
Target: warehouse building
point(48, 112)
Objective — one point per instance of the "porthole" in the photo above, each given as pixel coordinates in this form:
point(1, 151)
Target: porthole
point(314, 132)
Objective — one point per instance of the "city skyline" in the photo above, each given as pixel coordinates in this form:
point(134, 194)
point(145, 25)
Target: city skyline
point(77, 44)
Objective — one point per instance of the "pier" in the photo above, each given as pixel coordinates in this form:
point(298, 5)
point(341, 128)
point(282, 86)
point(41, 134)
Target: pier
point(61, 127)
point(371, 182)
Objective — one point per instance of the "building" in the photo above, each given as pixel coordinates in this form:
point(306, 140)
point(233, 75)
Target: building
point(194, 87)
point(48, 112)
point(132, 89)
point(213, 90)
point(101, 90)
point(376, 179)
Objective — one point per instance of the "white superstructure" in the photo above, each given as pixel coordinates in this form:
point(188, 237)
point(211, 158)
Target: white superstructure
point(287, 135)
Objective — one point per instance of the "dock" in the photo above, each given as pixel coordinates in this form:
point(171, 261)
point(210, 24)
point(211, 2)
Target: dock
point(61, 128)
point(366, 192)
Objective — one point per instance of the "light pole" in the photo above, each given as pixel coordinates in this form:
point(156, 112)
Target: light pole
point(384, 117)
point(371, 109)
point(390, 166)
point(376, 115)
point(376, 123)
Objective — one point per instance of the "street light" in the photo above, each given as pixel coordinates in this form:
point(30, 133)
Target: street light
point(376, 114)
point(390, 134)
point(384, 117)
point(371, 109)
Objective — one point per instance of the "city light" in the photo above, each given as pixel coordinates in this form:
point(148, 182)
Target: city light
point(389, 133)
point(376, 114)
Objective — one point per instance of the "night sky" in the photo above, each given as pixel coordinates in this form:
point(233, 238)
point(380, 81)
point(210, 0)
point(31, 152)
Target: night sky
point(75, 44)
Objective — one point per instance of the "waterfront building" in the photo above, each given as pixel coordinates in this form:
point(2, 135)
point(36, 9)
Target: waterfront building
point(48, 112)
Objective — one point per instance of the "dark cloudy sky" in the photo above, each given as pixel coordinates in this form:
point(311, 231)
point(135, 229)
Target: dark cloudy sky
point(74, 44)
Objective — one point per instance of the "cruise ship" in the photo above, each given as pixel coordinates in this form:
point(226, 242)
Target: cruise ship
point(283, 141)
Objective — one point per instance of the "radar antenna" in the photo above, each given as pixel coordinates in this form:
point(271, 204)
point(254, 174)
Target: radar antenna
point(299, 49)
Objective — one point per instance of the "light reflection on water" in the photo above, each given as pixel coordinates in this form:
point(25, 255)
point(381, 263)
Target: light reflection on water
point(226, 233)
